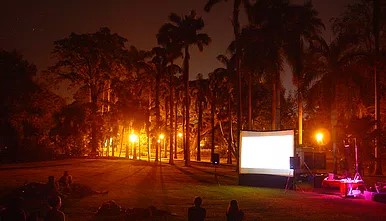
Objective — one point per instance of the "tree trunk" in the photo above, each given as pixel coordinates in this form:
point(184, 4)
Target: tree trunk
point(94, 133)
point(166, 125)
point(250, 102)
point(376, 32)
point(199, 127)
point(213, 109)
point(236, 31)
point(148, 130)
point(157, 109)
point(273, 122)
point(122, 135)
point(276, 102)
point(187, 106)
point(183, 127)
point(176, 129)
point(171, 129)
point(300, 117)
point(229, 152)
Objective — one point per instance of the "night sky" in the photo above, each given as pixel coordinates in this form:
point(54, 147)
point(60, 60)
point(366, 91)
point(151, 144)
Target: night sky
point(31, 26)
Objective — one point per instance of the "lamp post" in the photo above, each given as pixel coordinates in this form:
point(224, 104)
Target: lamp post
point(133, 139)
point(161, 138)
point(180, 138)
point(319, 138)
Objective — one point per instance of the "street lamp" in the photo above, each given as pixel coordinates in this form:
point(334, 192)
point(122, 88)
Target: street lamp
point(162, 137)
point(180, 137)
point(133, 139)
point(319, 138)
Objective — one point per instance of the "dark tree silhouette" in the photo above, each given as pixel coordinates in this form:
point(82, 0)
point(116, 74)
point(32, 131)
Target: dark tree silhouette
point(90, 61)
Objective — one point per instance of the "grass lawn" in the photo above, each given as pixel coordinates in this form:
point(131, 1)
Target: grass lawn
point(173, 188)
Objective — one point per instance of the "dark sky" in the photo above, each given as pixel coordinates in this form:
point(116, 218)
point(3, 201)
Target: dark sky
point(31, 26)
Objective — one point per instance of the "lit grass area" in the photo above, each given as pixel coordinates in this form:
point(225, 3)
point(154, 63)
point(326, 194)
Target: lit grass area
point(173, 188)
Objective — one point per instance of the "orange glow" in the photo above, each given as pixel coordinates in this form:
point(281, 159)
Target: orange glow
point(180, 134)
point(133, 138)
point(319, 138)
point(161, 136)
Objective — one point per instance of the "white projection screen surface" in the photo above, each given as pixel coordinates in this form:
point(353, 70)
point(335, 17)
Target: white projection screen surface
point(266, 152)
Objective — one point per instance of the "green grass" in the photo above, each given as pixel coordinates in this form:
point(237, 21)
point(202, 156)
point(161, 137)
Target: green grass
point(173, 188)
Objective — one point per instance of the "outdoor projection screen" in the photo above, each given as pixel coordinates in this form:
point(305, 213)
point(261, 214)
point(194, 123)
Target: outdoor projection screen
point(266, 152)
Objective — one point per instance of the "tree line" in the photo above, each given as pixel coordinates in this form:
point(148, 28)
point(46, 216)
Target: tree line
point(120, 89)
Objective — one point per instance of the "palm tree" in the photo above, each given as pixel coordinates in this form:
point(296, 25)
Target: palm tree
point(200, 90)
point(172, 70)
point(160, 61)
point(222, 93)
point(303, 27)
point(330, 62)
point(141, 86)
point(184, 32)
point(172, 52)
point(280, 30)
point(361, 21)
point(236, 31)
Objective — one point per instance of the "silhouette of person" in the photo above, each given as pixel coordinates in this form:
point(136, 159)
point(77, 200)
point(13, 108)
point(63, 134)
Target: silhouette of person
point(54, 214)
point(65, 182)
point(14, 210)
point(196, 212)
point(52, 188)
point(233, 212)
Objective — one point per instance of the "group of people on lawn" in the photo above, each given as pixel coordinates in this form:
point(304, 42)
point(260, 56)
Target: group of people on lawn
point(55, 190)
point(52, 193)
point(198, 213)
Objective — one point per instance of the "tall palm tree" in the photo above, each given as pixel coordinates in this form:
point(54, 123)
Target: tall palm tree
point(376, 33)
point(160, 62)
point(281, 30)
point(222, 93)
point(201, 88)
point(173, 51)
point(236, 31)
point(171, 71)
point(330, 62)
point(303, 27)
point(184, 32)
point(362, 22)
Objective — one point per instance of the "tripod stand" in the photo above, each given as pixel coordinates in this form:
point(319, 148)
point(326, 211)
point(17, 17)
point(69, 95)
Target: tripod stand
point(295, 186)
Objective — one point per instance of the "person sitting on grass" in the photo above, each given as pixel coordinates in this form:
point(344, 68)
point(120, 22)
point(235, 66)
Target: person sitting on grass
point(233, 212)
point(51, 188)
point(196, 212)
point(54, 214)
point(65, 182)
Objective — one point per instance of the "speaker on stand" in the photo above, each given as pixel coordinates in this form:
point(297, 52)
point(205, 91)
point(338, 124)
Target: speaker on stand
point(295, 165)
point(215, 159)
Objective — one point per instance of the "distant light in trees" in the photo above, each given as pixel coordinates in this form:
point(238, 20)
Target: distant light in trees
point(133, 138)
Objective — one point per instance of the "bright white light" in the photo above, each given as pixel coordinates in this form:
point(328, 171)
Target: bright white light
point(319, 138)
point(266, 152)
point(133, 138)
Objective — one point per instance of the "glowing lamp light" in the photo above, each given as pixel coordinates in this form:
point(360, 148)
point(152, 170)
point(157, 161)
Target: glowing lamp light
point(319, 138)
point(133, 138)
point(180, 134)
point(161, 136)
